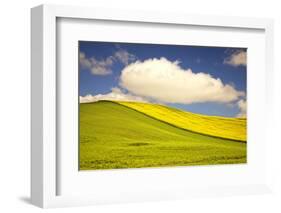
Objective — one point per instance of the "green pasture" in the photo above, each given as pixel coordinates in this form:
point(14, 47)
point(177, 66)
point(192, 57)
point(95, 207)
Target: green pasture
point(217, 126)
point(114, 136)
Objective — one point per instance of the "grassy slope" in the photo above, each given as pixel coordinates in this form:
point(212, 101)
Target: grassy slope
point(229, 128)
point(115, 136)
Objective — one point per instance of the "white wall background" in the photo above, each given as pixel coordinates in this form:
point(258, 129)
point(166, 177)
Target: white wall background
point(15, 98)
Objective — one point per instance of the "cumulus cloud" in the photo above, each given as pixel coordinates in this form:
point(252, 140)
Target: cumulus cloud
point(104, 66)
point(115, 95)
point(165, 81)
point(242, 105)
point(237, 58)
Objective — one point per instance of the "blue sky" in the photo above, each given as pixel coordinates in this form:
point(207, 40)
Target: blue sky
point(110, 70)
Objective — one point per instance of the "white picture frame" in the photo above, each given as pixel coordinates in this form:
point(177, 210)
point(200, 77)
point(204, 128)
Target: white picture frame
point(44, 154)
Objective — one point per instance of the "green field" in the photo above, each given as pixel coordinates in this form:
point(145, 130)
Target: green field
point(119, 135)
point(222, 127)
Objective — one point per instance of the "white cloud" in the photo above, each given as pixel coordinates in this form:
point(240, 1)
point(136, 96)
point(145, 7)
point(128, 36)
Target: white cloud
point(84, 62)
point(165, 81)
point(104, 66)
point(238, 58)
point(115, 95)
point(97, 67)
point(242, 105)
point(124, 57)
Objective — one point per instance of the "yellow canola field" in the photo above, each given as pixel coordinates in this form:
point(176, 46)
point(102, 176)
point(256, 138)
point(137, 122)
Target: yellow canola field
point(222, 127)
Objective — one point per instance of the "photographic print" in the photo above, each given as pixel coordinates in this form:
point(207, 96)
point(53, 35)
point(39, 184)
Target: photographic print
point(161, 105)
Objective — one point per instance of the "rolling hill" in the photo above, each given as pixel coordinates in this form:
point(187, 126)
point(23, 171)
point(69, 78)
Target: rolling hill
point(222, 127)
point(135, 135)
